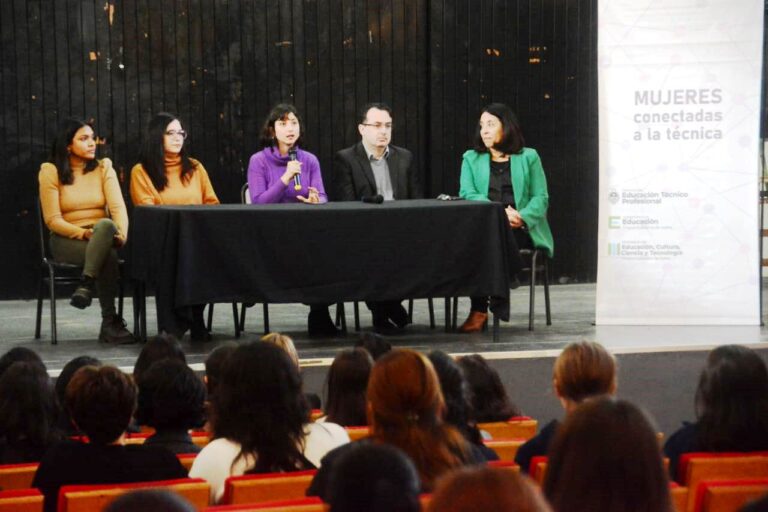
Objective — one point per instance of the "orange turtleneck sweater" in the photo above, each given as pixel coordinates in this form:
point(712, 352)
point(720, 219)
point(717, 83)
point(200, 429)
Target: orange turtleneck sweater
point(196, 190)
point(69, 210)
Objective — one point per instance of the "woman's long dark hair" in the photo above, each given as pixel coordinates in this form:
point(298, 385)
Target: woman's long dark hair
point(152, 152)
point(28, 407)
point(281, 111)
point(458, 410)
point(60, 150)
point(732, 401)
point(512, 140)
point(490, 401)
point(346, 387)
point(260, 405)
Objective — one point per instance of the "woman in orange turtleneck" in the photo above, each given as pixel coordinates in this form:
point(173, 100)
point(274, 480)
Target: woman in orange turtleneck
point(84, 209)
point(167, 175)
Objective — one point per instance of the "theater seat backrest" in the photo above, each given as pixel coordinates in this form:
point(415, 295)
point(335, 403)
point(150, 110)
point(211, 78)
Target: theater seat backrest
point(89, 498)
point(267, 487)
point(17, 476)
point(21, 500)
point(521, 427)
point(721, 466)
point(506, 449)
point(724, 495)
point(300, 505)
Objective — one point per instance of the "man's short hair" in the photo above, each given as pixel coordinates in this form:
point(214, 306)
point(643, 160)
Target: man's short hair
point(368, 106)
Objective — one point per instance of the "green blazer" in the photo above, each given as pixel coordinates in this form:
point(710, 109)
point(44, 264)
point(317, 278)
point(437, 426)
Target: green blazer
point(528, 182)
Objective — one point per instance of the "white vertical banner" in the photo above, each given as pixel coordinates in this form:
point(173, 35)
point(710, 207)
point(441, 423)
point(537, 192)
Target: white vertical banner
point(679, 109)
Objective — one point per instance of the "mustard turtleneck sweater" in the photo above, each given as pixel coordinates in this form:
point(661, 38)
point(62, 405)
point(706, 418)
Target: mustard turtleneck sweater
point(197, 189)
point(69, 210)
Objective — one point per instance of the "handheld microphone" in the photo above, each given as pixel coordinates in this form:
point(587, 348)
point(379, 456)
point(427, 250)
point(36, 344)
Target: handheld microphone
point(377, 199)
point(297, 177)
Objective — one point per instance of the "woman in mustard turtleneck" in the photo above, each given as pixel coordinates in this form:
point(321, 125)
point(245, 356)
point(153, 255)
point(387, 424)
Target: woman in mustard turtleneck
point(84, 209)
point(167, 175)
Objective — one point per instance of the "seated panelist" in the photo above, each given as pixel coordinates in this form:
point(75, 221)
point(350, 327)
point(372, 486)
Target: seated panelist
point(166, 174)
point(499, 168)
point(83, 207)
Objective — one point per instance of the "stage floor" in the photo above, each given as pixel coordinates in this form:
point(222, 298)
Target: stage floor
point(573, 312)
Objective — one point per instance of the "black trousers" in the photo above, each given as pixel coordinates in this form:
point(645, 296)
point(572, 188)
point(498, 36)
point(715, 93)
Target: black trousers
point(517, 239)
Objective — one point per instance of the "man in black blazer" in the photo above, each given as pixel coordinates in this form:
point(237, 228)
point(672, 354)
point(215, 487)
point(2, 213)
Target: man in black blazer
point(373, 169)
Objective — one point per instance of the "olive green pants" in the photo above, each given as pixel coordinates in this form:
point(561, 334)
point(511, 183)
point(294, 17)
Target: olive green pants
point(98, 258)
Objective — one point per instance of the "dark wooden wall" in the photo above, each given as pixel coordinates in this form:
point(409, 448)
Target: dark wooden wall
point(221, 64)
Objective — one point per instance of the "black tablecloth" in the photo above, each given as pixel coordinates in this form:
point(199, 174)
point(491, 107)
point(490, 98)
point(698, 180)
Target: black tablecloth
point(320, 253)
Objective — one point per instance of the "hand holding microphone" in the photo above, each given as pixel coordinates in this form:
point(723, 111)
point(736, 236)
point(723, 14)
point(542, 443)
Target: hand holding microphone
point(292, 171)
point(296, 177)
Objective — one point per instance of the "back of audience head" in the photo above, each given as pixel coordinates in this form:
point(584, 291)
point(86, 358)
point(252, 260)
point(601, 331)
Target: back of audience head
point(19, 354)
point(488, 397)
point(374, 478)
point(346, 387)
point(69, 370)
point(484, 488)
point(259, 404)
point(28, 408)
point(150, 500)
point(285, 343)
point(374, 343)
point(101, 401)
point(732, 401)
point(606, 457)
point(583, 370)
point(455, 394)
point(158, 348)
point(406, 410)
point(214, 365)
point(171, 397)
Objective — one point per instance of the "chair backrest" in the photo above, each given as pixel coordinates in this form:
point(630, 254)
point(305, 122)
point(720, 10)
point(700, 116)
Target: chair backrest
point(245, 195)
point(17, 476)
point(267, 487)
point(538, 468)
point(506, 449)
point(722, 495)
point(357, 433)
point(21, 500)
point(505, 465)
point(186, 459)
point(87, 498)
point(514, 428)
point(316, 413)
point(720, 466)
point(679, 496)
point(300, 505)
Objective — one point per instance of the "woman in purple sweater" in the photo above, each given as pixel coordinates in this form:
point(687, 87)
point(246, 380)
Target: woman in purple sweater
point(281, 172)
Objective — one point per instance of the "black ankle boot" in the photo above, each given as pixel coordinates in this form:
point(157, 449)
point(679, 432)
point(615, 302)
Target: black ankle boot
point(82, 297)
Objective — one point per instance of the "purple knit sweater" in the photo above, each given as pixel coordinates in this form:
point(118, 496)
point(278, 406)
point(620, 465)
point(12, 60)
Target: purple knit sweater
point(265, 169)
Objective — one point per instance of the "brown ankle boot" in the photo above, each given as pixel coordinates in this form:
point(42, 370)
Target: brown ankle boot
point(113, 331)
point(474, 322)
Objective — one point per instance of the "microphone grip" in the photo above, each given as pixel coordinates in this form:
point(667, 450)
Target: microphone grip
point(377, 199)
point(296, 178)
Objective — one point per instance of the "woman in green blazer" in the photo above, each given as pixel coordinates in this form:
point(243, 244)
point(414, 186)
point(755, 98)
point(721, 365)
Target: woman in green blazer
point(501, 169)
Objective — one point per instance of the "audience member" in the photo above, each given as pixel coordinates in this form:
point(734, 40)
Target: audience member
point(346, 386)
point(759, 505)
point(28, 413)
point(65, 422)
point(474, 489)
point(162, 346)
point(172, 401)
point(582, 370)
point(101, 402)
point(285, 343)
point(214, 365)
point(19, 354)
point(487, 395)
point(606, 457)
point(731, 407)
point(458, 412)
point(261, 420)
point(374, 478)
point(150, 500)
point(374, 343)
point(405, 410)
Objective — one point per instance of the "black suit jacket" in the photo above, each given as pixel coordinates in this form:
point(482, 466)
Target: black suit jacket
point(353, 175)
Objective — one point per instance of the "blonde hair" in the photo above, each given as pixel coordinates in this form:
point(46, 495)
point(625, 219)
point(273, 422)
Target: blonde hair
point(285, 343)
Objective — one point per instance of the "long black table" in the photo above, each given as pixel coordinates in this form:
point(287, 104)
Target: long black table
point(345, 251)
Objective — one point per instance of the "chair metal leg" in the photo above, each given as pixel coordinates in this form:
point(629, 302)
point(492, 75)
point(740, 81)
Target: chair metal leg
point(266, 318)
point(337, 322)
point(532, 299)
point(52, 292)
point(210, 317)
point(495, 328)
point(431, 305)
point(341, 317)
point(136, 310)
point(447, 314)
point(143, 316)
point(120, 292)
point(242, 316)
point(410, 310)
point(357, 316)
point(39, 315)
point(455, 319)
point(236, 319)
point(546, 291)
